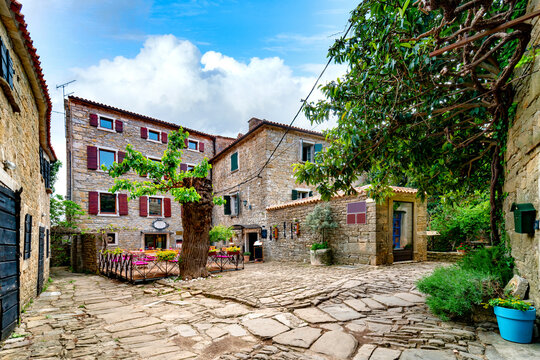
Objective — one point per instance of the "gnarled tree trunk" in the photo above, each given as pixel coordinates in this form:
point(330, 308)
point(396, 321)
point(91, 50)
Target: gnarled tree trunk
point(196, 221)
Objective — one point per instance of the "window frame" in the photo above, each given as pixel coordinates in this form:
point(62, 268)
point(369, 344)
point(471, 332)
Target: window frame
point(303, 192)
point(100, 213)
point(6, 58)
point(188, 165)
point(162, 206)
point(312, 146)
point(234, 205)
point(99, 127)
point(194, 141)
point(237, 161)
point(115, 239)
point(150, 130)
point(357, 213)
point(99, 148)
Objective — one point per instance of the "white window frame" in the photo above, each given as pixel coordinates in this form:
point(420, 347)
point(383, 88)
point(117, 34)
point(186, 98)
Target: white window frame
point(108, 118)
point(233, 203)
point(195, 141)
point(162, 206)
point(312, 145)
point(190, 164)
point(115, 239)
point(154, 159)
point(302, 191)
point(115, 206)
point(159, 135)
point(99, 156)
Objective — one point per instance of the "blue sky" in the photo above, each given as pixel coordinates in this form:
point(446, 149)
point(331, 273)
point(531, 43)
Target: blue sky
point(209, 65)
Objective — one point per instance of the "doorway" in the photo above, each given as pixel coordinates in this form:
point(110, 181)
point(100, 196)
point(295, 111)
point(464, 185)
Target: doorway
point(402, 231)
point(252, 238)
point(155, 241)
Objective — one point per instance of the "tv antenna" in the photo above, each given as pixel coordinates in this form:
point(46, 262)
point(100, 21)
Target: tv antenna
point(63, 86)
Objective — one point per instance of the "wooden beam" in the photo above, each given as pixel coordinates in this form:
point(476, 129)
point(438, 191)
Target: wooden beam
point(485, 33)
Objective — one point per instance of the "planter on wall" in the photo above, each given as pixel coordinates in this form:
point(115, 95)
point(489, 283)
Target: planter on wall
point(321, 257)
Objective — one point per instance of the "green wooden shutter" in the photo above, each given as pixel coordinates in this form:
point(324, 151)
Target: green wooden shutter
point(294, 194)
point(227, 206)
point(316, 148)
point(310, 193)
point(237, 204)
point(234, 161)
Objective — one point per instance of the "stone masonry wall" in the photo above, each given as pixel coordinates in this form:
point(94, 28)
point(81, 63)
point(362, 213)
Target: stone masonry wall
point(523, 167)
point(19, 143)
point(81, 134)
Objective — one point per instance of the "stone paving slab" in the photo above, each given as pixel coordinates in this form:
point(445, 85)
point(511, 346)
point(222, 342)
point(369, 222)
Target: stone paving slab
point(301, 337)
point(336, 344)
point(341, 312)
point(313, 315)
point(264, 327)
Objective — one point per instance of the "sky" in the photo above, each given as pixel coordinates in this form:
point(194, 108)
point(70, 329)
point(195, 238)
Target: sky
point(210, 65)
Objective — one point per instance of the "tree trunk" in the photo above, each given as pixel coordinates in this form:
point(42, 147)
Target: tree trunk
point(196, 221)
point(495, 196)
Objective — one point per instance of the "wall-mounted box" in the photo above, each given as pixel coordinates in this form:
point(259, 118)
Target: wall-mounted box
point(524, 218)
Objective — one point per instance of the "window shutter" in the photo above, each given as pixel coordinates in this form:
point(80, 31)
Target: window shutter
point(237, 203)
point(48, 243)
point(119, 126)
point(164, 137)
point(234, 161)
point(94, 120)
point(91, 158)
point(183, 167)
point(167, 207)
point(93, 203)
point(144, 133)
point(123, 204)
point(294, 194)
point(316, 148)
point(27, 236)
point(143, 206)
point(227, 206)
point(186, 143)
point(301, 152)
point(310, 193)
point(201, 146)
point(121, 156)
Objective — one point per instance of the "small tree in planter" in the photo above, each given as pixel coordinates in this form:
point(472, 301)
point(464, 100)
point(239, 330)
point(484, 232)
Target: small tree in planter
point(321, 221)
point(221, 233)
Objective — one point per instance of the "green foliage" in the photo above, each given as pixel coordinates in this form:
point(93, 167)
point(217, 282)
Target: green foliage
point(320, 246)
point(495, 261)
point(247, 253)
point(166, 255)
point(321, 221)
point(65, 213)
point(509, 303)
point(453, 291)
point(221, 233)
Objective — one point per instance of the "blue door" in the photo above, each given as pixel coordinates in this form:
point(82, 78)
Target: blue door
point(396, 233)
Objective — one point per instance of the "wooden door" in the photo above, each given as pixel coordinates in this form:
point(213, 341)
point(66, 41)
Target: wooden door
point(41, 260)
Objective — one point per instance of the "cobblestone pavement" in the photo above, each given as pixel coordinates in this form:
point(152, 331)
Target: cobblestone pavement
point(267, 311)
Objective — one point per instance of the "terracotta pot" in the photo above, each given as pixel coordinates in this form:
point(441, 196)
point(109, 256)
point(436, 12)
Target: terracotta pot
point(246, 258)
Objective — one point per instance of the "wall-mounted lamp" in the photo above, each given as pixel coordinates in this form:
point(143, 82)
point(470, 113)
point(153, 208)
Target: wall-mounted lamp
point(245, 203)
point(9, 165)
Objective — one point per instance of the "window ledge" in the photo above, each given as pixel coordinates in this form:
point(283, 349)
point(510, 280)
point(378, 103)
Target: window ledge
point(8, 91)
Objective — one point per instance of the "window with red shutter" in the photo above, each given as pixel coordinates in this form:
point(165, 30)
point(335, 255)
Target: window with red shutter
point(93, 203)
point(183, 167)
point(167, 207)
point(144, 133)
point(201, 147)
point(186, 143)
point(123, 204)
point(143, 206)
point(119, 126)
point(94, 120)
point(91, 158)
point(164, 137)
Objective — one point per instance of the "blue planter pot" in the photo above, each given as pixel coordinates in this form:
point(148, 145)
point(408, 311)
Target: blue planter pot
point(515, 325)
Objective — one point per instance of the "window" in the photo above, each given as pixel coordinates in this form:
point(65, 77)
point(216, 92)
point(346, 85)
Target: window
point(301, 194)
point(153, 135)
point(232, 204)
point(307, 151)
point(45, 169)
point(106, 157)
point(6, 64)
point(234, 161)
point(106, 123)
point(190, 167)
point(107, 203)
point(356, 213)
point(112, 239)
point(155, 206)
point(193, 145)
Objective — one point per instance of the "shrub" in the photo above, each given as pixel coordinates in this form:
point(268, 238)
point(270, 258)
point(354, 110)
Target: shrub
point(320, 246)
point(494, 261)
point(220, 233)
point(166, 255)
point(321, 221)
point(453, 291)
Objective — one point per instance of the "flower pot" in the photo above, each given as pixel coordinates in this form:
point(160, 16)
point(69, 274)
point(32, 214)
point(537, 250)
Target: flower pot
point(321, 257)
point(246, 258)
point(461, 251)
point(515, 325)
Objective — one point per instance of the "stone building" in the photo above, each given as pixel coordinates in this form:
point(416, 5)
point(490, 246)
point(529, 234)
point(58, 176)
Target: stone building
point(25, 157)
point(247, 201)
point(523, 167)
point(98, 134)
point(367, 232)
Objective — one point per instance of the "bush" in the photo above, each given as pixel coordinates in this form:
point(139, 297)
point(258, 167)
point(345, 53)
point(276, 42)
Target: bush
point(453, 291)
point(320, 246)
point(494, 261)
point(321, 221)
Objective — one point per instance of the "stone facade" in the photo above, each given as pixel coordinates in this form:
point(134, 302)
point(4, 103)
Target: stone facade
point(523, 167)
point(131, 229)
point(24, 133)
point(369, 243)
point(276, 182)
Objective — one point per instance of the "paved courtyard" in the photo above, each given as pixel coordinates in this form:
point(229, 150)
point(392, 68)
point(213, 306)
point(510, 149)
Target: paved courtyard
point(267, 311)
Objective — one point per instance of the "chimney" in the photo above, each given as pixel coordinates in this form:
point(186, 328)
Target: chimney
point(253, 122)
point(239, 135)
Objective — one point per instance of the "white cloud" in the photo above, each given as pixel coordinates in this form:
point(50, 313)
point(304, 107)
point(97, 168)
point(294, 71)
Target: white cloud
point(171, 80)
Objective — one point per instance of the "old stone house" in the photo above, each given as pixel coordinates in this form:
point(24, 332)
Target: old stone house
point(247, 201)
point(25, 157)
point(98, 134)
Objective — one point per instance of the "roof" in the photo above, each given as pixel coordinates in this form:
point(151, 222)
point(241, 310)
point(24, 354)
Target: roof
point(361, 191)
point(139, 116)
point(15, 8)
point(262, 123)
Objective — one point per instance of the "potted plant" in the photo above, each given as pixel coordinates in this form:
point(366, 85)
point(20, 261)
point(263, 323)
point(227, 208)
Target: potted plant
point(297, 227)
point(463, 248)
point(515, 319)
point(321, 222)
point(247, 254)
point(275, 232)
point(233, 250)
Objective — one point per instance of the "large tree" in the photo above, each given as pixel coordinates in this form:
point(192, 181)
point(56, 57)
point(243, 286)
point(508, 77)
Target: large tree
point(438, 123)
point(190, 188)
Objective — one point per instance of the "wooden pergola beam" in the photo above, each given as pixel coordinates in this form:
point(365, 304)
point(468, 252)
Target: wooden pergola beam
point(485, 33)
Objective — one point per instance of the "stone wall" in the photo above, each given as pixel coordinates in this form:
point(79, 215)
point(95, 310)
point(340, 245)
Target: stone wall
point(20, 144)
point(523, 166)
point(439, 256)
point(84, 253)
point(130, 228)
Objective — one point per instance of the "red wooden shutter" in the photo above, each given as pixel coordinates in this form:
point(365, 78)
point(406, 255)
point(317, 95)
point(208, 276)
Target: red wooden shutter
point(201, 147)
point(122, 204)
point(93, 120)
point(167, 207)
point(183, 167)
point(119, 125)
point(164, 138)
point(143, 206)
point(186, 143)
point(121, 156)
point(91, 158)
point(93, 203)
point(144, 133)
